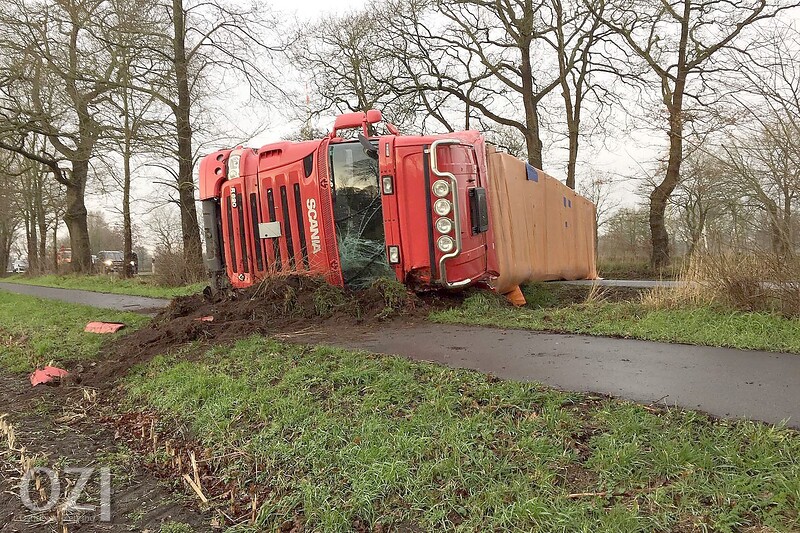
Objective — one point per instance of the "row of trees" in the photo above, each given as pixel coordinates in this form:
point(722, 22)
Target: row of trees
point(96, 92)
point(696, 73)
point(92, 89)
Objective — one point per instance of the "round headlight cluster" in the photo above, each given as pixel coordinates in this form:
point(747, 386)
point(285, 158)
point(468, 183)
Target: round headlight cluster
point(442, 207)
point(445, 244)
point(440, 188)
point(444, 225)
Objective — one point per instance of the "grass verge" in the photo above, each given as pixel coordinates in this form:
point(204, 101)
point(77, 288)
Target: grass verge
point(35, 331)
point(138, 286)
point(351, 440)
point(701, 325)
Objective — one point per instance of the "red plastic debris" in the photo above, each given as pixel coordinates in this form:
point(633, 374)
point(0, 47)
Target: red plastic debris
point(103, 327)
point(205, 319)
point(48, 374)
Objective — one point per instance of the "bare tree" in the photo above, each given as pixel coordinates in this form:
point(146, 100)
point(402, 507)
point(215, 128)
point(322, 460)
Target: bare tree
point(188, 40)
point(679, 42)
point(599, 189)
point(486, 56)
point(10, 219)
point(60, 63)
point(699, 196)
point(575, 42)
point(165, 225)
point(765, 169)
point(342, 67)
point(625, 235)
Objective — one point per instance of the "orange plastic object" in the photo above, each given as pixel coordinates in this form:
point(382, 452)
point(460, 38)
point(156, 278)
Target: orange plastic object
point(543, 230)
point(515, 296)
point(103, 327)
point(204, 319)
point(47, 374)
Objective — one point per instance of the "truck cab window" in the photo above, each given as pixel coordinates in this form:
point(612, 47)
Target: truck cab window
point(358, 214)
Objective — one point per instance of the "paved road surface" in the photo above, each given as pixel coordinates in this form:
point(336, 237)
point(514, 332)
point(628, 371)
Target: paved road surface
point(102, 300)
point(724, 382)
point(634, 283)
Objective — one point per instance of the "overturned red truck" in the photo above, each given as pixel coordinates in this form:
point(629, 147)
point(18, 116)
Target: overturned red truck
point(436, 211)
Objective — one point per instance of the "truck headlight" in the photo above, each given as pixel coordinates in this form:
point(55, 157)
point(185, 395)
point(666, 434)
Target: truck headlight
point(108, 262)
point(394, 255)
point(445, 244)
point(444, 225)
point(442, 207)
point(441, 188)
point(233, 167)
point(388, 184)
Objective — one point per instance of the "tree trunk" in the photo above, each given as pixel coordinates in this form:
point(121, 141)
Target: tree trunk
point(31, 237)
point(75, 218)
point(55, 246)
point(532, 141)
point(42, 226)
point(192, 248)
point(6, 239)
point(127, 232)
point(572, 162)
point(659, 237)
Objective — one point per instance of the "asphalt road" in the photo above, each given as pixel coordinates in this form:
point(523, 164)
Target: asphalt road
point(101, 300)
point(723, 382)
point(633, 283)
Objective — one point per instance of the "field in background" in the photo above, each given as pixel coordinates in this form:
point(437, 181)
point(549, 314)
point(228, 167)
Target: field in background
point(137, 286)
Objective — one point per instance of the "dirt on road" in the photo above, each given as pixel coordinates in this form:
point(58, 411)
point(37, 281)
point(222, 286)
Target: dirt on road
point(284, 306)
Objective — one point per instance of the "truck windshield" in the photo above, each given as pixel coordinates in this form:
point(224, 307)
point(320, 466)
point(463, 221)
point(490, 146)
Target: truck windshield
point(359, 215)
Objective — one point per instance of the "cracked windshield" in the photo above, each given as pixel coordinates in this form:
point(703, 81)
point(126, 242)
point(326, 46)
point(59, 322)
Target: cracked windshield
point(359, 216)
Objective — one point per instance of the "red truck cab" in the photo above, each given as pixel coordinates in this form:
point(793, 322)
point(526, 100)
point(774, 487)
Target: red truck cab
point(350, 209)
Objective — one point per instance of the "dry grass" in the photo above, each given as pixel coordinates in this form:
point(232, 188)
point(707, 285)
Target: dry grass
point(755, 282)
point(171, 270)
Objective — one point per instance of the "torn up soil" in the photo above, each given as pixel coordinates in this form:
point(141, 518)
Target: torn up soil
point(298, 308)
point(60, 430)
point(295, 306)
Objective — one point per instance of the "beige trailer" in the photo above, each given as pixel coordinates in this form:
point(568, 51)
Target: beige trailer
point(543, 230)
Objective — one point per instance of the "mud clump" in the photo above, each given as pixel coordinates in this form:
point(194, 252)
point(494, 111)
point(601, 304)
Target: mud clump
point(278, 305)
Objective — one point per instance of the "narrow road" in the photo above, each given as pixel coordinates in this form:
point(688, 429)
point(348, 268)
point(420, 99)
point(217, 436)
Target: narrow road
point(632, 283)
point(724, 382)
point(118, 302)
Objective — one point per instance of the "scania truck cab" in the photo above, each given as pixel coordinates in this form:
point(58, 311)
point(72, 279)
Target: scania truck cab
point(350, 209)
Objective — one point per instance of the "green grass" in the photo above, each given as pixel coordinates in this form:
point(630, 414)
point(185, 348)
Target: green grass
point(138, 286)
point(35, 331)
point(705, 326)
point(345, 437)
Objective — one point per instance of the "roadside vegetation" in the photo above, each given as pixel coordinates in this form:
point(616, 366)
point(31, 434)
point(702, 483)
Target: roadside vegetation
point(351, 440)
point(625, 268)
point(688, 316)
point(34, 332)
point(137, 286)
